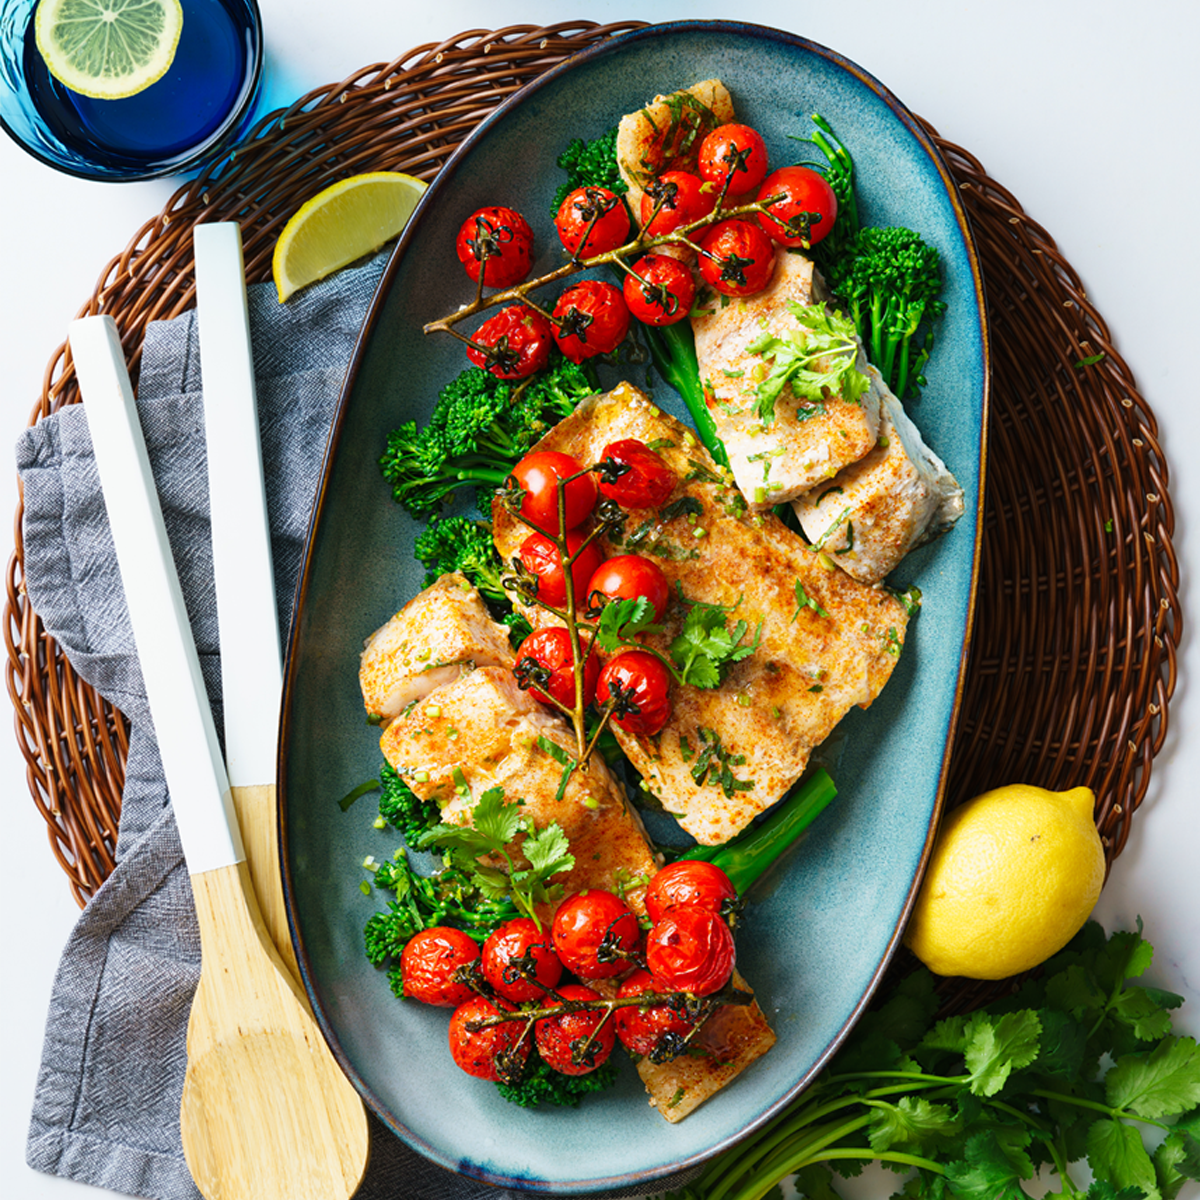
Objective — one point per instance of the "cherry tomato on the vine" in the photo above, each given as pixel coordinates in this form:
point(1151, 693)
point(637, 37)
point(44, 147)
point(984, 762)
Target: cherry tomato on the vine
point(643, 682)
point(660, 291)
point(549, 649)
point(673, 199)
point(519, 960)
point(642, 1030)
point(497, 242)
point(690, 881)
point(497, 1052)
point(595, 932)
point(806, 213)
point(540, 555)
point(736, 152)
point(737, 258)
point(647, 483)
point(516, 342)
point(574, 1043)
point(592, 220)
point(626, 577)
point(690, 949)
point(429, 961)
point(594, 319)
point(538, 474)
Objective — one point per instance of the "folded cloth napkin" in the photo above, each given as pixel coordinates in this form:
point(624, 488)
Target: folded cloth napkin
point(106, 1109)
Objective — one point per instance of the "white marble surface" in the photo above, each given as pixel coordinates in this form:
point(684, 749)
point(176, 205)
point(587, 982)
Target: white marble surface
point(1085, 109)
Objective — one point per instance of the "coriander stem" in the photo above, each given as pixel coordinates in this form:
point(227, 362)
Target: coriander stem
point(1119, 1113)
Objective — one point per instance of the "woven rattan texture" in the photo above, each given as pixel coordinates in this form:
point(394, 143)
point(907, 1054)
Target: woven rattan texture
point(1074, 655)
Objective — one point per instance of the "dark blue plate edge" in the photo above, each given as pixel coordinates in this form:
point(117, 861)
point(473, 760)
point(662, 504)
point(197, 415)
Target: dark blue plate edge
point(443, 180)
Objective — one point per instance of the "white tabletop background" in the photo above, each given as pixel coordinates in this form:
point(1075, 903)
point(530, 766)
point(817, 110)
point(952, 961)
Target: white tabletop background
point(1087, 110)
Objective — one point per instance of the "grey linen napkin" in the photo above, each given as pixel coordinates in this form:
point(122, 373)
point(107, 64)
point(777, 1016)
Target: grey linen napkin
point(106, 1109)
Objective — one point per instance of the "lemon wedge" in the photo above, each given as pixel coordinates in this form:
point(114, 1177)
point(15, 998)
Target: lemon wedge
point(108, 49)
point(340, 224)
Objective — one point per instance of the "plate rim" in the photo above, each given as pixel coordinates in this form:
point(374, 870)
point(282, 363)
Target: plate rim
point(443, 180)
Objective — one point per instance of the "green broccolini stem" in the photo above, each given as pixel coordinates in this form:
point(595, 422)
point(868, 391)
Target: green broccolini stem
point(673, 351)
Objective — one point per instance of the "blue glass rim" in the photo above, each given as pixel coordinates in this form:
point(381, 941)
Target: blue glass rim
point(14, 18)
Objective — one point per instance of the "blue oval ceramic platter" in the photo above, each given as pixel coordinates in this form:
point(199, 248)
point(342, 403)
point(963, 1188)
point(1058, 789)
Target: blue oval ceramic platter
point(821, 929)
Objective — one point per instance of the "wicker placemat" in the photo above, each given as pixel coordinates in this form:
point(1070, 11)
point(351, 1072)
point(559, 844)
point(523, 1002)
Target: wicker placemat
point(1074, 655)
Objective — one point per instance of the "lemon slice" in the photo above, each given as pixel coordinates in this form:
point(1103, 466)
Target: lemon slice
point(108, 49)
point(340, 224)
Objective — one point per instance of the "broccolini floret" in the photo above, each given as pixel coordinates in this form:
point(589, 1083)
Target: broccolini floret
point(461, 544)
point(590, 164)
point(405, 812)
point(480, 427)
point(542, 1085)
point(889, 280)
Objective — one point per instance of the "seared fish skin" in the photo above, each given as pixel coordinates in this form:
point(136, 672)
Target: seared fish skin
point(800, 448)
point(873, 512)
point(441, 632)
point(730, 752)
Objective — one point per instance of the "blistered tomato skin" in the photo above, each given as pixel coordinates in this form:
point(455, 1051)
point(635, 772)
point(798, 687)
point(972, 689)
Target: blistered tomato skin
point(737, 153)
point(592, 220)
point(645, 683)
point(595, 934)
point(674, 199)
point(648, 480)
point(538, 475)
point(549, 650)
point(495, 1053)
point(690, 882)
point(575, 1043)
point(690, 950)
point(429, 962)
point(497, 242)
point(806, 214)
point(593, 319)
point(627, 577)
point(737, 258)
point(515, 343)
point(642, 1030)
point(661, 290)
point(519, 960)
point(541, 556)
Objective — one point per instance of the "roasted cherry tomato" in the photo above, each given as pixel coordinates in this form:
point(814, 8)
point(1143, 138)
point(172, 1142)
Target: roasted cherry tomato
point(595, 933)
point(540, 555)
point(649, 481)
point(429, 962)
point(498, 242)
point(578, 1042)
point(594, 319)
point(690, 881)
point(516, 342)
point(660, 291)
point(737, 258)
point(592, 220)
point(537, 475)
point(733, 152)
point(806, 213)
point(519, 960)
point(497, 1052)
point(676, 198)
point(690, 949)
point(549, 650)
point(626, 577)
point(643, 683)
point(652, 1031)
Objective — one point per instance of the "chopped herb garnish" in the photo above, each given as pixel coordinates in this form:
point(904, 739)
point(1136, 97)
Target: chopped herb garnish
point(803, 601)
point(707, 648)
point(714, 765)
point(702, 473)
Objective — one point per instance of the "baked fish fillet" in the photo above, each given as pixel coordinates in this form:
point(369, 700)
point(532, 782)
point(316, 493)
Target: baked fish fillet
point(827, 642)
point(666, 134)
point(806, 443)
point(873, 512)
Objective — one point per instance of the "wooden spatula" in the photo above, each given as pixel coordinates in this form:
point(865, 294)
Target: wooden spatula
point(266, 1111)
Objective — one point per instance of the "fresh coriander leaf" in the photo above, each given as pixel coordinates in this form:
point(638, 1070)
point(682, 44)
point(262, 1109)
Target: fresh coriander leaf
point(1163, 1083)
point(1145, 1011)
point(548, 851)
point(1075, 991)
point(706, 647)
point(1101, 1189)
point(1063, 1046)
point(494, 819)
point(986, 1173)
point(815, 1182)
point(1117, 1156)
point(1176, 1159)
point(622, 620)
point(996, 1046)
point(912, 1122)
point(1126, 955)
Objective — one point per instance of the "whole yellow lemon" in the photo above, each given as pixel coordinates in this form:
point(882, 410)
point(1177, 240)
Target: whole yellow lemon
point(1014, 875)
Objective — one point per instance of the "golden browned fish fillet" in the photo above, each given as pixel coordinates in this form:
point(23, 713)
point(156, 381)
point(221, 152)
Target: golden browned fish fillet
point(477, 730)
point(666, 134)
point(827, 644)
